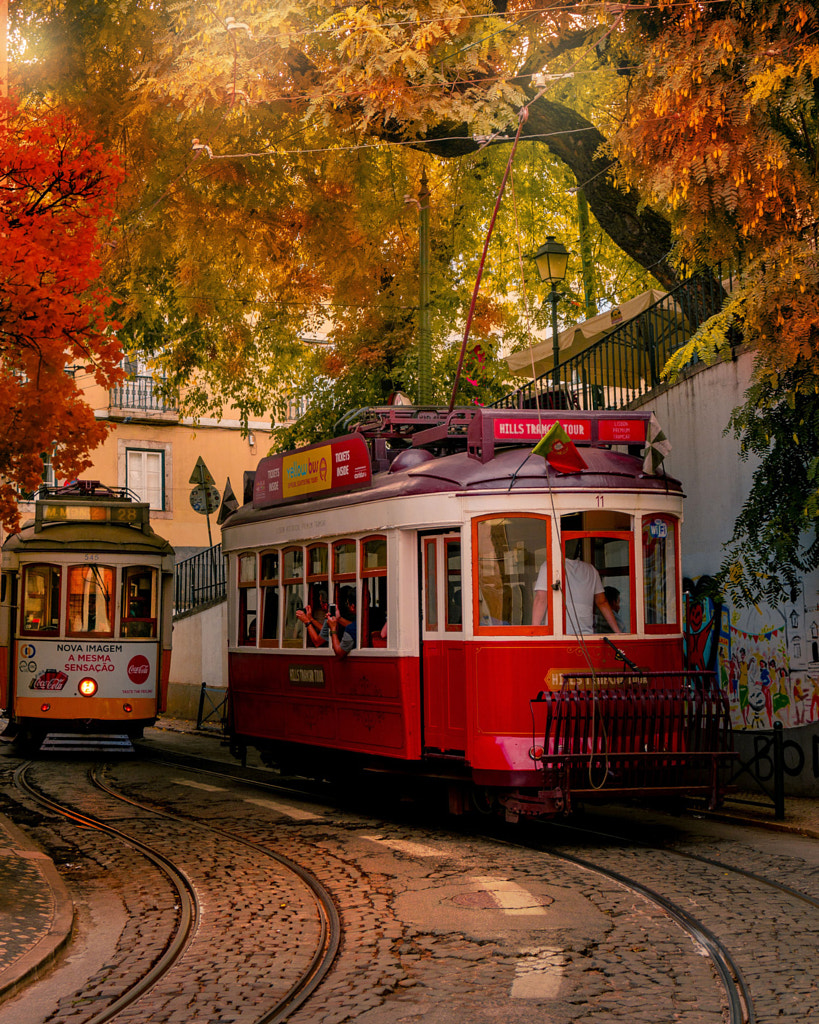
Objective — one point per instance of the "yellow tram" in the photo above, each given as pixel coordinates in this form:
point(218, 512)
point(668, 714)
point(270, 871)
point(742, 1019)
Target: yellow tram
point(85, 620)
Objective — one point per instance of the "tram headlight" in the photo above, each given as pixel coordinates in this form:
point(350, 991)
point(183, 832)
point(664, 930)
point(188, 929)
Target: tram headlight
point(87, 687)
point(127, 708)
point(45, 707)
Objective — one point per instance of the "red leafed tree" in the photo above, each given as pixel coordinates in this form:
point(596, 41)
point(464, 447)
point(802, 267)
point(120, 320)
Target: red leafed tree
point(57, 190)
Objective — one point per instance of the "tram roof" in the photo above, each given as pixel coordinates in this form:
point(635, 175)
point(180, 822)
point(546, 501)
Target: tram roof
point(74, 536)
point(434, 468)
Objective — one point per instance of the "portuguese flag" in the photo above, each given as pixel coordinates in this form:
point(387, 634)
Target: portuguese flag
point(558, 449)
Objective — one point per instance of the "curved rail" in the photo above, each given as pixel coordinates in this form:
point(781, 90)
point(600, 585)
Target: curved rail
point(188, 902)
point(740, 1007)
point(329, 922)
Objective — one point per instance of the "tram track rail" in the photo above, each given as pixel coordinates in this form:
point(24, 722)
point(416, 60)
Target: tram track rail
point(737, 990)
point(189, 907)
point(330, 925)
point(190, 913)
point(737, 994)
point(739, 1002)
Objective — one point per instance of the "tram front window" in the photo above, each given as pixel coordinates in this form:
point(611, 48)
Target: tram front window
point(90, 591)
point(138, 616)
point(41, 599)
point(510, 552)
point(602, 540)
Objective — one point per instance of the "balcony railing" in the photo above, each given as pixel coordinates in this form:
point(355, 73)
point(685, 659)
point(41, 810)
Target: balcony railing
point(139, 394)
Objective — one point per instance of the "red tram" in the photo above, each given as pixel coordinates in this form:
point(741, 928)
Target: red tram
point(469, 657)
point(85, 620)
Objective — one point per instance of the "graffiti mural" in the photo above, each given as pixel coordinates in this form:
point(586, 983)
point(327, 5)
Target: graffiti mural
point(755, 673)
point(769, 674)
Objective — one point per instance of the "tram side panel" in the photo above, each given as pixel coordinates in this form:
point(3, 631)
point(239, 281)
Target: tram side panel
point(362, 704)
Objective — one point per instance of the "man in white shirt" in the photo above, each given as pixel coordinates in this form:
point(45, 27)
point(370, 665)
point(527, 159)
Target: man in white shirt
point(583, 592)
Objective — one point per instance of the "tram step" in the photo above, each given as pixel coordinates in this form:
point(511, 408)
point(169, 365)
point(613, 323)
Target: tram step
point(71, 741)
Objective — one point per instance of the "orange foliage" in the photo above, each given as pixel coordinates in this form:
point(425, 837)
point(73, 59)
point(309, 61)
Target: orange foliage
point(721, 129)
point(57, 191)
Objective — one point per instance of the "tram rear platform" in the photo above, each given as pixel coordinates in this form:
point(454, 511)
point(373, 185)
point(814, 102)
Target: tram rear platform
point(37, 914)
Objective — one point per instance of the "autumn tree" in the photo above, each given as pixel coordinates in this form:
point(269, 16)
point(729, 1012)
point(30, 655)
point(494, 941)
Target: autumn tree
point(56, 201)
point(274, 151)
point(721, 127)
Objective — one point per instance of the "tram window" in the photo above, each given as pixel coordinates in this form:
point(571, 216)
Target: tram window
point(454, 607)
point(510, 553)
point(608, 550)
point(373, 613)
point(90, 589)
point(317, 561)
point(41, 599)
point(248, 607)
point(293, 596)
point(344, 559)
point(660, 571)
point(138, 602)
point(431, 592)
point(270, 599)
point(595, 521)
point(318, 591)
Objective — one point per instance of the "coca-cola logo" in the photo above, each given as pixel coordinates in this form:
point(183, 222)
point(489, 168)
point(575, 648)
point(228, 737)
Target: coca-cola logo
point(138, 669)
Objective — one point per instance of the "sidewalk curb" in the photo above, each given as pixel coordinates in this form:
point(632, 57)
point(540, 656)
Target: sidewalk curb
point(46, 948)
point(733, 818)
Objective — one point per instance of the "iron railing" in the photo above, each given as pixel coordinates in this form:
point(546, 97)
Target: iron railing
point(199, 581)
point(141, 394)
point(625, 365)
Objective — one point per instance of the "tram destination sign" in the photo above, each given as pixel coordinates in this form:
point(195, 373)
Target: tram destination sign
point(341, 464)
point(622, 430)
point(492, 427)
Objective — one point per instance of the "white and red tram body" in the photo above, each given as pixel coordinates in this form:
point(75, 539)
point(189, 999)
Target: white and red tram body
point(443, 544)
point(85, 619)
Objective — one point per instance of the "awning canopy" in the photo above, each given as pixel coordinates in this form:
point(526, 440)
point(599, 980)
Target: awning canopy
point(539, 359)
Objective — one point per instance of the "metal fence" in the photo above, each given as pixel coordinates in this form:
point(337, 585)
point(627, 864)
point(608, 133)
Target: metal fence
point(626, 364)
point(199, 580)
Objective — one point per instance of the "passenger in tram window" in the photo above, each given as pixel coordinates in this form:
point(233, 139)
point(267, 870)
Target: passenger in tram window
point(342, 628)
point(613, 598)
point(316, 623)
point(583, 593)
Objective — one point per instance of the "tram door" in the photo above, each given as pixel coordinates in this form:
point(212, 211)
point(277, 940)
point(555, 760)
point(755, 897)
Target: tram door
point(442, 646)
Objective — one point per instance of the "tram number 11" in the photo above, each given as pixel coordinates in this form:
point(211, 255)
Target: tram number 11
point(601, 500)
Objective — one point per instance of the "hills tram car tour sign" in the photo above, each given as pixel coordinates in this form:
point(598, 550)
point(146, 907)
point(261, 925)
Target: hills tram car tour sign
point(448, 546)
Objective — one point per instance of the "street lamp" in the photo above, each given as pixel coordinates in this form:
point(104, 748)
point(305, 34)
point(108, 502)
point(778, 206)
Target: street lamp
point(552, 260)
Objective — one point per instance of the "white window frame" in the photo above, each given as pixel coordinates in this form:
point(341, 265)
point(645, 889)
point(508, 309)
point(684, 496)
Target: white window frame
point(127, 447)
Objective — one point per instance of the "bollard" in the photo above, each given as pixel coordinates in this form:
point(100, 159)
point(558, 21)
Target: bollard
point(779, 770)
point(200, 713)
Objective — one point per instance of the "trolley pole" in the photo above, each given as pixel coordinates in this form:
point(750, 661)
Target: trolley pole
point(424, 331)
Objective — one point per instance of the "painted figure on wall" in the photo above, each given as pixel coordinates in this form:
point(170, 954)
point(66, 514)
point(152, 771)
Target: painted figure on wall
point(702, 615)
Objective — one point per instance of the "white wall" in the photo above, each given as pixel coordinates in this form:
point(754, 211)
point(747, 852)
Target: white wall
point(694, 415)
point(199, 656)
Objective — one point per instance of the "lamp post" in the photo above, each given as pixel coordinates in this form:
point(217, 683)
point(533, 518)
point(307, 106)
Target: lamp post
point(552, 260)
